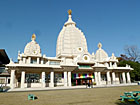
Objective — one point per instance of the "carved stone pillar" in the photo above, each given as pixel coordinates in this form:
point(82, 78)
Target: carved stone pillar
point(43, 79)
point(12, 79)
point(123, 77)
point(69, 78)
point(96, 78)
point(38, 60)
point(99, 78)
point(52, 79)
point(108, 78)
point(22, 79)
point(113, 78)
point(128, 77)
point(65, 78)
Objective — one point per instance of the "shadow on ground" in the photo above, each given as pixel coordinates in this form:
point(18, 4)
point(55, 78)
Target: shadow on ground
point(36, 97)
point(125, 102)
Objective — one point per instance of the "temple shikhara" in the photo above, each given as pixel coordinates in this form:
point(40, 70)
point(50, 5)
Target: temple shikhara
point(72, 66)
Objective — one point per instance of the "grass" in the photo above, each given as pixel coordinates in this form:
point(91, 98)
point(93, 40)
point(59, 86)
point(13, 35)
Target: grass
point(94, 96)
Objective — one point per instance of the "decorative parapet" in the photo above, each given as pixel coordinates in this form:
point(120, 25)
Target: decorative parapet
point(11, 61)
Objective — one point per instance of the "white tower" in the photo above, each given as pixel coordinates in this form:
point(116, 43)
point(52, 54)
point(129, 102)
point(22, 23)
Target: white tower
point(71, 40)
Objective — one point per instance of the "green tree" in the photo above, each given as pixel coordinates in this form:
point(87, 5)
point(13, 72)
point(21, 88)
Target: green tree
point(132, 58)
point(135, 74)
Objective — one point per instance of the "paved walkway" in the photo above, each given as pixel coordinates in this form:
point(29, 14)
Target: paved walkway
point(64, 88)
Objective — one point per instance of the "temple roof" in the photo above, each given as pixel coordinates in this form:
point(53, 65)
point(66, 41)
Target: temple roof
point(3, 57)
point(32, 48)
point(100, 55)
point(71, 40)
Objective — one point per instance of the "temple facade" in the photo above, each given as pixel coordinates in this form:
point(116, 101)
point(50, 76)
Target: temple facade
point(72, 66)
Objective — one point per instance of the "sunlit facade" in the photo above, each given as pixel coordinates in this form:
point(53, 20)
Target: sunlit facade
point(72, 66)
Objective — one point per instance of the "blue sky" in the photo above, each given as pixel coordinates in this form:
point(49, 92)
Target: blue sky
point(114, 23)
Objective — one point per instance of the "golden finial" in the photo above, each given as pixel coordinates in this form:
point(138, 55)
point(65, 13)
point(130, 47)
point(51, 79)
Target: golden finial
point(99, 45)
point(33, 37)
point(69, 11)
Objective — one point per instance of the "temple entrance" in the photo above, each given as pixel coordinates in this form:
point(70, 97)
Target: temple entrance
point(82, 78)
point(81, 81)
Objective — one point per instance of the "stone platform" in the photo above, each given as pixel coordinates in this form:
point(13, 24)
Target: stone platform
point(65, 88)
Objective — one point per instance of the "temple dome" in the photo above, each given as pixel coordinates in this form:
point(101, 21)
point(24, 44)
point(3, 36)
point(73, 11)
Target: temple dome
point(100, 55)
point(71, 40)
point(32, 48)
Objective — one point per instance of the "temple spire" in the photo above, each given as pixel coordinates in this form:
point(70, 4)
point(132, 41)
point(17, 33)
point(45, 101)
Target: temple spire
point(99, 45)
point(33, 37)
point(69, 11)
point(70, 21)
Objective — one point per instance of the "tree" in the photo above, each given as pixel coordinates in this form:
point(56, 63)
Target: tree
point(123, 57)
point(132, 58)
point(132, 53)
point(135, 74)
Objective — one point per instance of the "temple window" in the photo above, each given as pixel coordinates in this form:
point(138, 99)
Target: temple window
point(54, 63)
point(34, 60)
point(32, 78)
point(84, 66)
point(58, 77)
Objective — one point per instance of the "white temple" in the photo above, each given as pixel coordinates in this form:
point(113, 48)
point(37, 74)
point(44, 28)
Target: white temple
point(72, 66)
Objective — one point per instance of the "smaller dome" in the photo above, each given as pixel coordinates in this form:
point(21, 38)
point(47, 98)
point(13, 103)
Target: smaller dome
point(100, 55)
point(32, 48)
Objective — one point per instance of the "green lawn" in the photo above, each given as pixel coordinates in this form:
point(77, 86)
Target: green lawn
point(94, 96)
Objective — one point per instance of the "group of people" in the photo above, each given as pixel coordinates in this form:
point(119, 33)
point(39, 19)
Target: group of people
point(89, 84)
